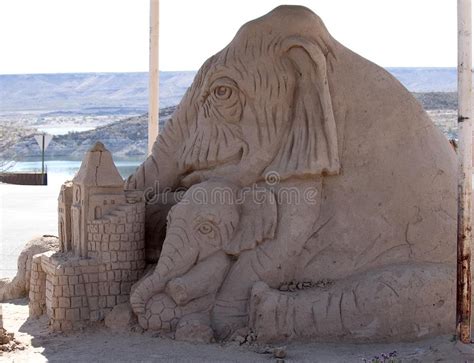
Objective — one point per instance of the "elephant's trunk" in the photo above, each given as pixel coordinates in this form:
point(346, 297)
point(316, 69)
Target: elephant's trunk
point(176, 259)
point(161, 171)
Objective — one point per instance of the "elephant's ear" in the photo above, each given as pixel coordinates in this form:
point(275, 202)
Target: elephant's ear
point(310, 145)
point(258, 220)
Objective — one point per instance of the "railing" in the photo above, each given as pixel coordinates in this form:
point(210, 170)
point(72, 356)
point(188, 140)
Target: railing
point(24, 178)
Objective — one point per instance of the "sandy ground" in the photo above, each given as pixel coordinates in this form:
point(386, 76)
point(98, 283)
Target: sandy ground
point(98, 344)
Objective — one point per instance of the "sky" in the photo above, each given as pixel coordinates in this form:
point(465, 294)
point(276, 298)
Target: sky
point(60, 36)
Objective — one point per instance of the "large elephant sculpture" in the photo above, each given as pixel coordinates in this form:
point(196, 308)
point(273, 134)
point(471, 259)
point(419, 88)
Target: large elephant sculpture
point(286, 104)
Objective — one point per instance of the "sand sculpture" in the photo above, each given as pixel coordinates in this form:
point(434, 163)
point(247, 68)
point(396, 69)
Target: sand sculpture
point(285, 107)
point(101, 235)
point(319, 202)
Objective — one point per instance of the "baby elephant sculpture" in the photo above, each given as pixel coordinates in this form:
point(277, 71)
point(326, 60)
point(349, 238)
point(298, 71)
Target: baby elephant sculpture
point(210, 225)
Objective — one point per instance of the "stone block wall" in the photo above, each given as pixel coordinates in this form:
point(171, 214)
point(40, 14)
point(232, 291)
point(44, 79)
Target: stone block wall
point(37, 294)
point(118, 238)
point(73, 290)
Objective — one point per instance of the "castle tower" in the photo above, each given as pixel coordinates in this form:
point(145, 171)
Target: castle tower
point(64, 216)
point(97, 177)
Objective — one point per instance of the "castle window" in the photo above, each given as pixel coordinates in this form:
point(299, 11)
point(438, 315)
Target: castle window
point(98, 212)
point(105, 202)
point(112, 201)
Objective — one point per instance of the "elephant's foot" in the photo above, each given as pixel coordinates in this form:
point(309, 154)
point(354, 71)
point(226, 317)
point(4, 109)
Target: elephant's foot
point(230, 311)
point(228, 316)
point(195, 328)
point(394, 303)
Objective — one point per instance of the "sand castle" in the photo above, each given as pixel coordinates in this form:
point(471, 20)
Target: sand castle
point(101, 232)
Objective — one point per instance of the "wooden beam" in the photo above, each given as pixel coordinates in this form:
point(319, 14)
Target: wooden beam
point(154, 76)
point(464, 230)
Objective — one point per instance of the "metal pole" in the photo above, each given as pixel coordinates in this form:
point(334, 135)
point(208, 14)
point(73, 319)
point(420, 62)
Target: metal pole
point(42, 157)
point(154, 77)
point(464, 231)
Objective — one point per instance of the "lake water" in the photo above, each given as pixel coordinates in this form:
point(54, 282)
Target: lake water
point(68, 168)
point(61, 130)
point(27, 211)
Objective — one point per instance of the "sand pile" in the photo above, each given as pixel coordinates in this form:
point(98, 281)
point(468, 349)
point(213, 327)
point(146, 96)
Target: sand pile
point(8, 343)
point(19, 287)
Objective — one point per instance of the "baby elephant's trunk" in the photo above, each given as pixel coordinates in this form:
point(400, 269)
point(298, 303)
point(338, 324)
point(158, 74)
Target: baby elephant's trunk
point(175, 260)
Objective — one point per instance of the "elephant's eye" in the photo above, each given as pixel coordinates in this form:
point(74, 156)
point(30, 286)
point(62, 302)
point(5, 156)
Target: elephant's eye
point(206, 231)
point(222, 101)
point(223, 92)
point(205, 228)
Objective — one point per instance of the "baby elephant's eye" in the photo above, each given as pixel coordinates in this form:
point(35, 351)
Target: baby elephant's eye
point(223, 92)
point(205, 228)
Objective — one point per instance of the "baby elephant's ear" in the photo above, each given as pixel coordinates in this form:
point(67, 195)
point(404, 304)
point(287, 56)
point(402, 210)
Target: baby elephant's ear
point(258, 220)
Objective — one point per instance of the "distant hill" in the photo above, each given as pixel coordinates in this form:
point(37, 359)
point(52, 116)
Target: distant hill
point(128, 137)
point(124, 138)
point(426, 79)
point(438, 100)
point(95, 93)
point(103, 93)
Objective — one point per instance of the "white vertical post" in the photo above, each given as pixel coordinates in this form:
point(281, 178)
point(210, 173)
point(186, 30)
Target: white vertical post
point(463, 305)
point(154, 77)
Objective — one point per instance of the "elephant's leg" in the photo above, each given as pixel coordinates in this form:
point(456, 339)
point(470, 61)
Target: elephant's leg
point(393, 303)
point(230, 311)
point(204, 278)
point(195, 328)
